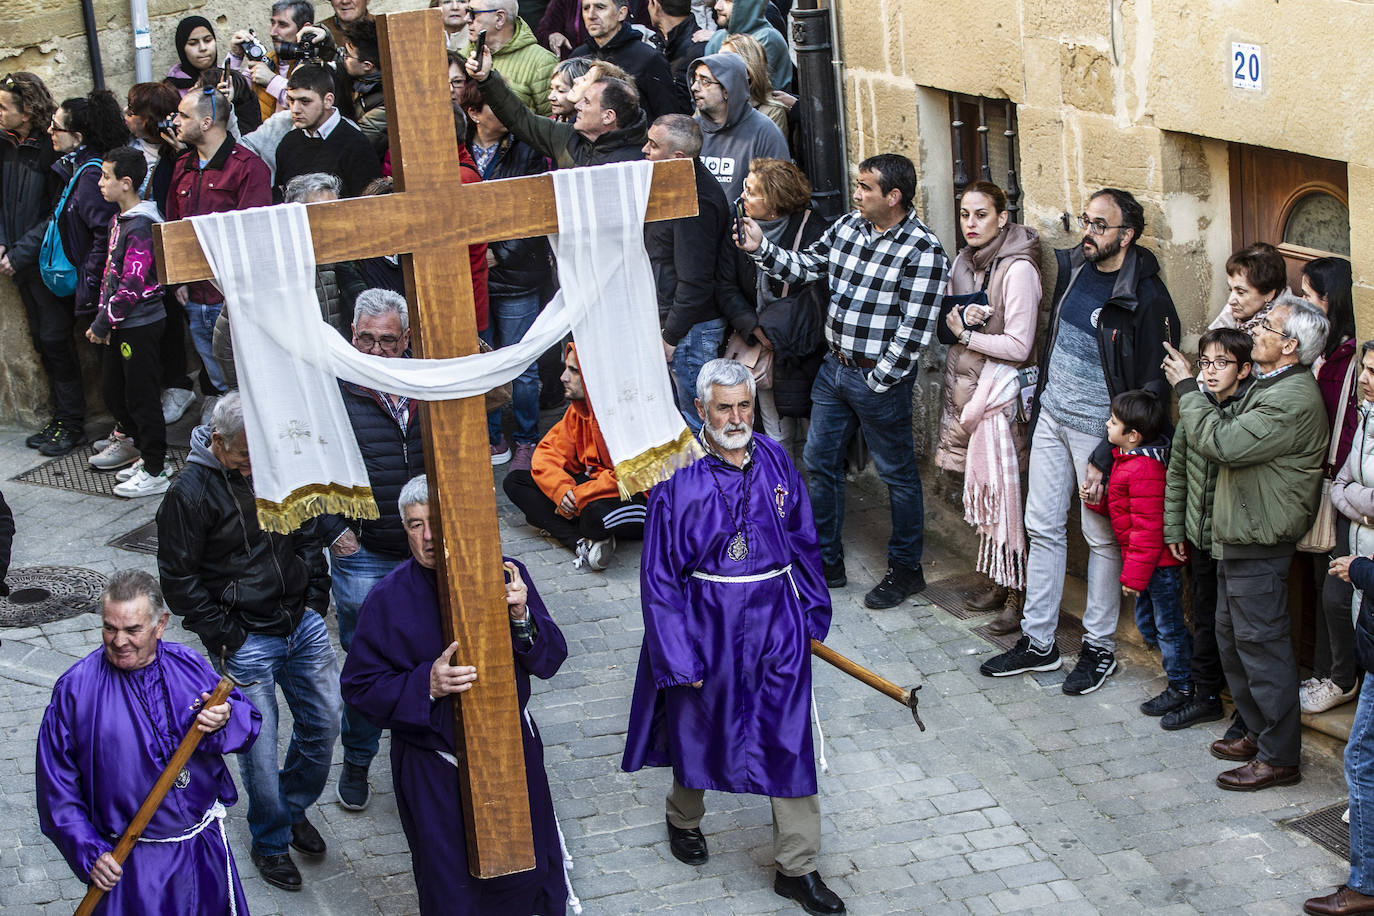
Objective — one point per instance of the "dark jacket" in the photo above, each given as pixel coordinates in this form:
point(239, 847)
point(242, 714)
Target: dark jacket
point(681, 50)
point(345, 153)
point(1330, 379)
point(1131, 330)
point(392, 456)
point(559, 141)
point(84, 225)
point(1362, 577)
point(659, 93)
point(522, 266)
point(130, 294)
point(6, 543)
point(222, 573)
point(28, 191)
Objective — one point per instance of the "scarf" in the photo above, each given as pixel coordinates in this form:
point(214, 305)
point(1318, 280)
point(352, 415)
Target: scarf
point(305, 457)
point(992, 481)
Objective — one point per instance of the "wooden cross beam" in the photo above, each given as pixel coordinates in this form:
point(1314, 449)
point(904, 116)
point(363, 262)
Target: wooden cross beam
point(431, 219)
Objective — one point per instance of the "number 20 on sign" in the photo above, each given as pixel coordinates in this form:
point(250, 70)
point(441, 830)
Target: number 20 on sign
point(1246, 72)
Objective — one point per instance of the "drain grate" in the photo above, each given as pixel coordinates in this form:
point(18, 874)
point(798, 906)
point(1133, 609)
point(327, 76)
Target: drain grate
point(74, 472)
point(949, 594)
point(1325, 828)
point(142, 539)
point(42, 594)
point(1069, 636)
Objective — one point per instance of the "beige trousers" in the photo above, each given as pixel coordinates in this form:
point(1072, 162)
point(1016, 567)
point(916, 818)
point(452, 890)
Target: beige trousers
point(796, 826)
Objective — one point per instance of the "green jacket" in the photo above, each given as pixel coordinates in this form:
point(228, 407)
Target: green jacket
point(526, 66)
point(559, 141)
point(1269, 454)
point(1190, 486)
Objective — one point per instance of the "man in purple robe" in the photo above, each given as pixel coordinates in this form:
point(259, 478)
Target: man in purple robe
point(732, 592)
point(115, 719)
point(401, 676)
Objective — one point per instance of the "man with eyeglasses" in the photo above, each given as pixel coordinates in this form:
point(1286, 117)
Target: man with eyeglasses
point(1109, 323)
point(525, 65)
point(734, 133)
point(363, 551)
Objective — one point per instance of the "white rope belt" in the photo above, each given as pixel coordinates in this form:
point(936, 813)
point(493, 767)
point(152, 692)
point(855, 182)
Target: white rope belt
point(216, 814)
point(756, 577)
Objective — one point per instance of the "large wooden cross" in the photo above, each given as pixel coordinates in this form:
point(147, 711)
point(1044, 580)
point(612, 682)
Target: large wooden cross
point(431, 219)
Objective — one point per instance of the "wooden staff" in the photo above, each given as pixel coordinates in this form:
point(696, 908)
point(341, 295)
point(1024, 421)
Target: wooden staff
point(852, 668)
point(157, 793)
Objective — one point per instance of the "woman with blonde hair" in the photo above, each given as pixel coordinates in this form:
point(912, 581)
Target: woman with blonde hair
point(762, 96)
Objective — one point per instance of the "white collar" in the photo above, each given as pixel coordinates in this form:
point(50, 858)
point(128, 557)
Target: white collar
point(327, 128)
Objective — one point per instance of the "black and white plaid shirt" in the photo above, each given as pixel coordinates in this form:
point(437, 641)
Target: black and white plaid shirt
point(885, 289)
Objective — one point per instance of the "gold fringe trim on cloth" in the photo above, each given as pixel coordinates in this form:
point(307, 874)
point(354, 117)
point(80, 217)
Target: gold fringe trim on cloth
point(304, 503)
point(640, 473)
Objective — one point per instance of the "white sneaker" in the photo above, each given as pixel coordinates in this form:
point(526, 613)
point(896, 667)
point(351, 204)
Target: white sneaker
point(594, 554)
point(1324, 695)
point(119, 452)
point(175, 403)
point(144, 484)
point(130, 471)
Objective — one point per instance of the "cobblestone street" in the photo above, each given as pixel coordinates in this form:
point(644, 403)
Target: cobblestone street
point(1017, 798)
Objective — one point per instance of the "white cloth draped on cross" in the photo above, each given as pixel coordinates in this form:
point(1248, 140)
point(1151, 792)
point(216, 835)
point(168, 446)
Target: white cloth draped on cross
point(305, 458)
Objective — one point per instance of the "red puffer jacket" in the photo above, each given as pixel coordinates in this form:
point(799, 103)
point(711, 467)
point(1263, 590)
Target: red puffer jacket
point(1135, 503)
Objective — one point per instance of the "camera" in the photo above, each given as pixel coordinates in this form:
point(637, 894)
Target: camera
point(309, 51)
point(253, 49)
point(168, 125)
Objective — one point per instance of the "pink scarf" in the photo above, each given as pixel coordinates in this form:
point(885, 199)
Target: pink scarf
point(992, 480)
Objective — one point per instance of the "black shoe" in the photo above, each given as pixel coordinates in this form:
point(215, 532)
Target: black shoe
point(278, 871)
point(834, 574)
point(352, 789)
point(305, 838)
point(1237, 729)
point(1091, 672)
point(900, 583)
point(1199, 708)
point(66, 438)
point(1166, 702)
point(38, 439)
point(1021, 658)
point(809, 891)
point(688, 846)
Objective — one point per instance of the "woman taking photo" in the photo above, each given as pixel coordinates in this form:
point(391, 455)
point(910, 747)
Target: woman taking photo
point(991, 307)
point(198, 52)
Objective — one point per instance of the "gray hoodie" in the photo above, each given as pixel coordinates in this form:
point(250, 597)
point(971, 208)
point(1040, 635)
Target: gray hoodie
point(727, 149)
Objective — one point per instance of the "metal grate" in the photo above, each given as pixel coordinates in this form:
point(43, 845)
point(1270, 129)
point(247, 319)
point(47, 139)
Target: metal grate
point(1069, 636)
point(74, 472)
point(1325, 828)
point(42, 594)
point(142, 539)
point(949, 594)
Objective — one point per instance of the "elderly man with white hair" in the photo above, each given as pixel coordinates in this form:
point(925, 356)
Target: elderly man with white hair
point(733, 594)
point(1269, 449)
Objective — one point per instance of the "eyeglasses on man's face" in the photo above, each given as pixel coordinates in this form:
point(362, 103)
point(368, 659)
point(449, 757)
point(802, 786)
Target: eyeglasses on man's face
point(1220, 363)
point(1264, 323)
point(1095, 226)
point(386, 342)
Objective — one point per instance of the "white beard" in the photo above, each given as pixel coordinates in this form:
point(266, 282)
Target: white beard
point(729, 441)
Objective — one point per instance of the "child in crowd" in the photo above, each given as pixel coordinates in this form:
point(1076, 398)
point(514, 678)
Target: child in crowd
point(129, 323)
point(1149, 571)
point(1224, 357)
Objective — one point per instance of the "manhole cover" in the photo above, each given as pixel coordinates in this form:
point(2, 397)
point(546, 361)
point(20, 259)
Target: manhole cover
point(1069, 636)
point(74, 472)
point(142, 539)
point(42, 594)
point(951, 593)
point(1325, 828)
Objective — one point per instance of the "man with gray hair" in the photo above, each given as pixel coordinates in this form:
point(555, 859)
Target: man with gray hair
point(729, 539)
point(363, 551)
point(1269, 449)
point(257, 600)
point(114, 720)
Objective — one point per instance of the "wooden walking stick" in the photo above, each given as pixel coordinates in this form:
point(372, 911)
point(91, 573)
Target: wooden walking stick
point(159, 790)
point(852, 668)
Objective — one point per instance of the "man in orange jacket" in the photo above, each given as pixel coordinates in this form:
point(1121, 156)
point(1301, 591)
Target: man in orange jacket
point(570, 490)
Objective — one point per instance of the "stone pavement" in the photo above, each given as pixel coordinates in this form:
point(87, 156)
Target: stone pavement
point(1017, 798)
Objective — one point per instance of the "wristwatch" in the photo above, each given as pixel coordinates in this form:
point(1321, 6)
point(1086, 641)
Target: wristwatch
point(965, 337)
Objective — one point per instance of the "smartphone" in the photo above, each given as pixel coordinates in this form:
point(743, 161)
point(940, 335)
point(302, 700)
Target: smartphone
point(739, 220)
point(479, 47)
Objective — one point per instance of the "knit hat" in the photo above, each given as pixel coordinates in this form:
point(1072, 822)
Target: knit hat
point(184, 29)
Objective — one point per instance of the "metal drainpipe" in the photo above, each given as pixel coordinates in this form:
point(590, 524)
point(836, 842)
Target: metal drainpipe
point(93, 44)
point(143, 41)
point(818, 96)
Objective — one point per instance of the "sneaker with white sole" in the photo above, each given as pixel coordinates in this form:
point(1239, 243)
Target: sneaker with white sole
point(144, 484)
point(120, 452)
point(500, 452)
point(1325, 694)
point(100, 445)
point(1021, 658)
point(130, 471)
point(175, 403)
point(600, 553)
point(1094, 665)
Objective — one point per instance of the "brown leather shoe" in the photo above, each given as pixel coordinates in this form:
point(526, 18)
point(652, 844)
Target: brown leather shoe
point(1242, 749)
point(1009, 620)
point(990, 598)
point(1257, 775)
point(1345, 900)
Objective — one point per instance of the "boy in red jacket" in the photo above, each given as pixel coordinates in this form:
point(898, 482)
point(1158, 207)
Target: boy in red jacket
point(1149, 571)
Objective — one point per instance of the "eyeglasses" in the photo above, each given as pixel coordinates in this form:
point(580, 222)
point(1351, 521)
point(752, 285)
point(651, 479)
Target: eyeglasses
point(1221, 364)
point(54, 129)
point(704, 81)
point(367, 340)
point(1264, 323)
point(1095, 226)
point(456, 82)
point(9, 83)
point(473, 14)
point(211, 92)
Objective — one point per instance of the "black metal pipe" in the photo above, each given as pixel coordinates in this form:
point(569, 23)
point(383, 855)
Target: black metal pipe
point(93, 44)
point(818, 98)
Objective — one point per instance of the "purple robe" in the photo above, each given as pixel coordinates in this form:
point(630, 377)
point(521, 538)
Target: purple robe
point(747, 729)
point(104, 740)
point(386, 678)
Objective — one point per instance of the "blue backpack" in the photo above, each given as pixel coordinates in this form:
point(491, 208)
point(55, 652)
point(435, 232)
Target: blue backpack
point(58, 271)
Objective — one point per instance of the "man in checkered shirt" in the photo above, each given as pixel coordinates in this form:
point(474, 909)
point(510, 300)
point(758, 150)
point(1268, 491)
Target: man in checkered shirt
point(887, 275)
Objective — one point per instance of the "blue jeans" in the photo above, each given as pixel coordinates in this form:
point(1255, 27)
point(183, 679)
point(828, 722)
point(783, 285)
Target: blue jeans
point(841, 401)
point(202, 319)
point(303, 665)
point(698, 346)
point(352, 578)
point(511, 317)
point(1359, 776)
point(1159, 606)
